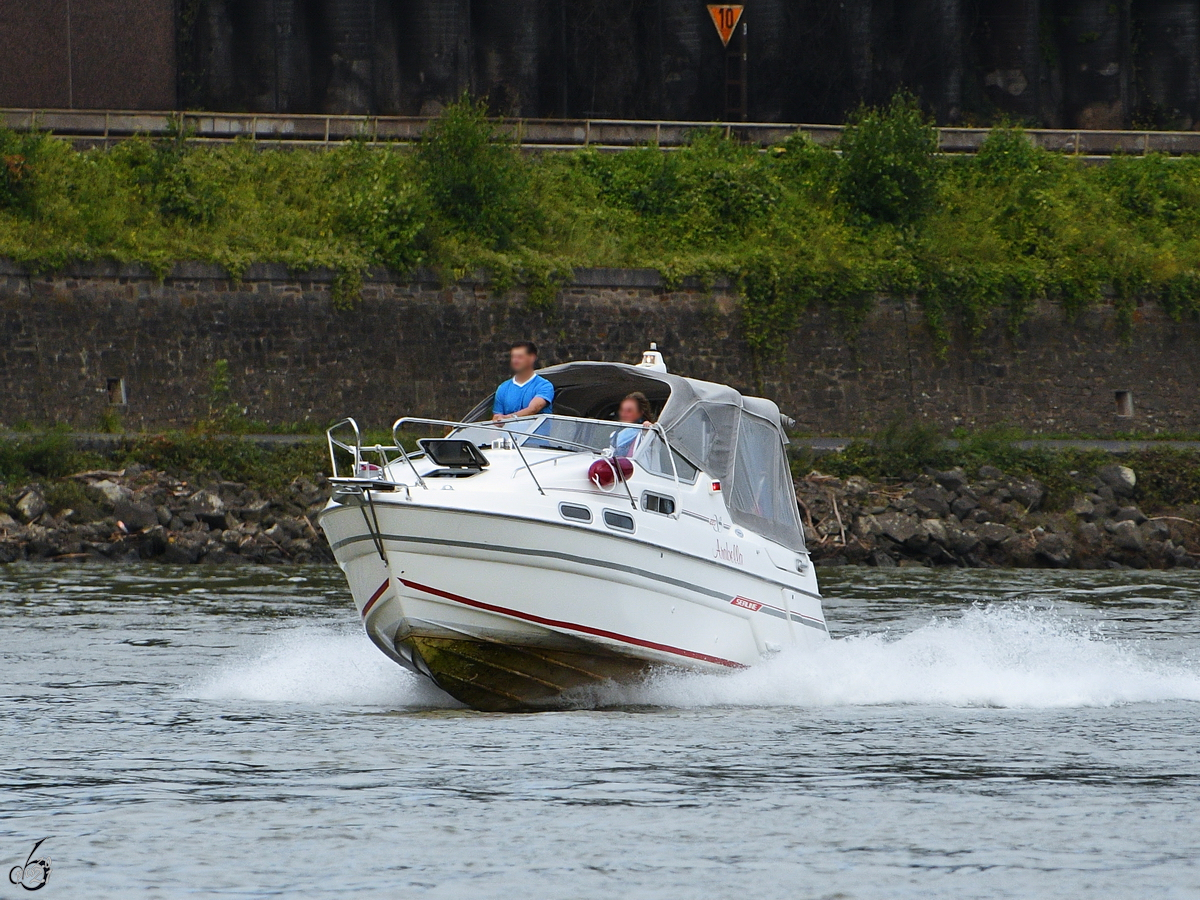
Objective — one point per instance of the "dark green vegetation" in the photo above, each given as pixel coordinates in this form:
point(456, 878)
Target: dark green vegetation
point(794, 225)
point(54, 455)
point(1167, 477)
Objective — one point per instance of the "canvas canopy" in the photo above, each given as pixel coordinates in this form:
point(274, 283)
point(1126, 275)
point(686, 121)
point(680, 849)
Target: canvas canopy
point(737, 440)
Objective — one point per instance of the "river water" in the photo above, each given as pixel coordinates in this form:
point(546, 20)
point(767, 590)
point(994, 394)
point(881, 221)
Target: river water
point(230, 732)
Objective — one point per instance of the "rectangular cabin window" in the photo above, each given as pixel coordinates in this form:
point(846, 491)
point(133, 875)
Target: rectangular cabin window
point(618, 521)
point(658, 503)
point(574, 513)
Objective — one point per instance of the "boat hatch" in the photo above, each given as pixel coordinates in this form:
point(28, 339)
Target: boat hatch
point(456, 458)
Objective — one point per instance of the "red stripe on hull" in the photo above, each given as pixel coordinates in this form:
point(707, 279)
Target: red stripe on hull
point(375, 596)
point(584, 629)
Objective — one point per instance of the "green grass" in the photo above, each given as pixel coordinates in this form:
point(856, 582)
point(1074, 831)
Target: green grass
point(53, 455)
point(797, 224)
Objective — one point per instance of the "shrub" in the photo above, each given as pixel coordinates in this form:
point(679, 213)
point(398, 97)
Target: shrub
point(224, 416)
point(645, 181)
point(1007, 152)
point(377, 204)
point(87, 502)
point(712, 189)
point(18, 162)
point(173, 177)
point(50, 455)
point(806, 167)
point(234, 459)
point(1167, 477)
point(474, 178)
point(889, 163)
point(909, 447)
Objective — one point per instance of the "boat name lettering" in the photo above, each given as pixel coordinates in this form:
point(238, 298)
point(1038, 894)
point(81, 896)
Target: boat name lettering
point(728, 552)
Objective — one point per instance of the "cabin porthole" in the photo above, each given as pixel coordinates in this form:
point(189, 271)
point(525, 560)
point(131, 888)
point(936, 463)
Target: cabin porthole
point(618, 521)
point(574, 513)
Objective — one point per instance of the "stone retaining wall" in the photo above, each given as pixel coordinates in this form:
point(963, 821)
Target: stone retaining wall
point(75, 343)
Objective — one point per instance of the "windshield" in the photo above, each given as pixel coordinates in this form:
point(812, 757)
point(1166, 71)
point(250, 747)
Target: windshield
point(645, 446)
point(547, 432)
point(567, 433)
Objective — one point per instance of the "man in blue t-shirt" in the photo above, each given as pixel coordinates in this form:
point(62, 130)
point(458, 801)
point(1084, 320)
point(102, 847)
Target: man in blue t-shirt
point(526, 393)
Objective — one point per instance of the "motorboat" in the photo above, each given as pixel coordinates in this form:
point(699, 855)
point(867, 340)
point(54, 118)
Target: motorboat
point(526, 564)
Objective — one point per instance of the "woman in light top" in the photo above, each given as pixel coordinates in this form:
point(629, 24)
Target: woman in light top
point(634, 410)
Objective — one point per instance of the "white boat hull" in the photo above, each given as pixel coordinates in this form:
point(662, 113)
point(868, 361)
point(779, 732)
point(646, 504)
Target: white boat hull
point(509, 612)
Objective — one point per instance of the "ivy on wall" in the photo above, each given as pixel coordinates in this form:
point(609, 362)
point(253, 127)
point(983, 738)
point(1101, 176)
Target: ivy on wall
point(968, 238)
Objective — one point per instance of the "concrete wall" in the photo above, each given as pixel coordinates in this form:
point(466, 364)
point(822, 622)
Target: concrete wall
point(1074, 63)
point(422, 348)
point(1068, 63)
point(67, 54)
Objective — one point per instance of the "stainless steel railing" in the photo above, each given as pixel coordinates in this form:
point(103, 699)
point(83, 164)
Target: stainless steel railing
point(364, 473)
point(361, 468)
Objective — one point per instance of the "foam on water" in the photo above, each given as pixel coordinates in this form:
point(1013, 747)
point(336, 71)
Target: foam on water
point(320, 666)
point(997, 656)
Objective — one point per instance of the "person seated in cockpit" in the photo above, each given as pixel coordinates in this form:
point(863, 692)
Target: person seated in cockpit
point(526, 393)
point(635, 411)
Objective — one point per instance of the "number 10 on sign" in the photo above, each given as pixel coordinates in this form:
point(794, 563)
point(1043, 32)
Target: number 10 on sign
point(726, 19)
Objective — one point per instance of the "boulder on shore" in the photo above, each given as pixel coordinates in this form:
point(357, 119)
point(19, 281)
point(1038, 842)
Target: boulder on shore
point(946, 518)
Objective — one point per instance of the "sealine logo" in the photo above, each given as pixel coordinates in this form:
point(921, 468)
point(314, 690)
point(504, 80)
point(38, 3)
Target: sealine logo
point(728, 552)
point(35, 873)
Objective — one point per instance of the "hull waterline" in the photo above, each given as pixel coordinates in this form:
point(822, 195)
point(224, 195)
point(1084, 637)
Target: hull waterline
point(506, 613)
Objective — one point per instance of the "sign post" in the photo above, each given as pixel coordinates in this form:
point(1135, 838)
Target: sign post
point(728, 21)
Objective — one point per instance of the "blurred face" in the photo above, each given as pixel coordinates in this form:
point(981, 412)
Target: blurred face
point(629, 411)
point(521, 360)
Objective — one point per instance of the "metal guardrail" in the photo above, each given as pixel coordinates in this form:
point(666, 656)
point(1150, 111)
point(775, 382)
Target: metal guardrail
point(105, 127)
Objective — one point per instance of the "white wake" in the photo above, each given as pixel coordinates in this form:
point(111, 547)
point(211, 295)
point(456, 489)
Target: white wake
point(320, 666)
point(998, 656)
point(995, 656)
